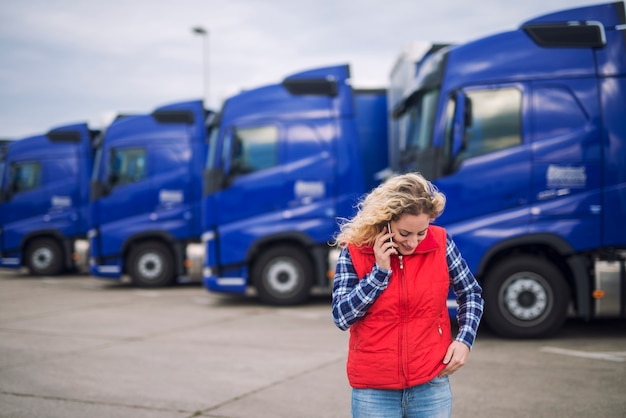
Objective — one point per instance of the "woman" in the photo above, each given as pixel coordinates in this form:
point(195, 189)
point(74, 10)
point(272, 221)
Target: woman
point(390, 288)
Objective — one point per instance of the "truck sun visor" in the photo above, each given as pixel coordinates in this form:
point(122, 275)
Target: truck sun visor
point(584, 35)
point(174, 116)
point(63, 136)
point(314, 86)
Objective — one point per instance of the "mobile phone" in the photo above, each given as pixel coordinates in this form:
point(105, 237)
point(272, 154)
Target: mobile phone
point(395, 249)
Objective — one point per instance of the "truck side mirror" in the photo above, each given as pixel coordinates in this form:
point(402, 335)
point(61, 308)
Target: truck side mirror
point(460, 122)
point(14, 186)
point(98, 190)
point(113, 179)
point(213, 180)
point(468, 116)
point(463, 119)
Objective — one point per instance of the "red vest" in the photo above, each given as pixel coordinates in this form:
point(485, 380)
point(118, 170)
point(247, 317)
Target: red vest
point(402, 339)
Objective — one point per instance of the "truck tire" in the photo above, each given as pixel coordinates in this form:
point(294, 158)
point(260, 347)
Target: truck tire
point(44, 257)
point(151, 265)
point(525, 297)
point(283, 276)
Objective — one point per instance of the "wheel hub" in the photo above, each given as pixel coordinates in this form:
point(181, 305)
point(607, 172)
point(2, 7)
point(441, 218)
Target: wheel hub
point(526, 299)
point(150, 266)
point(282, 277)
point(42, 257)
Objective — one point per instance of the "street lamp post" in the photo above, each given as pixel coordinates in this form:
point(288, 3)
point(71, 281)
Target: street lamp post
point(199, 30)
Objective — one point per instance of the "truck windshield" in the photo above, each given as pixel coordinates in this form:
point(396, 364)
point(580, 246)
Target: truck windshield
point(416, 127)
point(420, 119)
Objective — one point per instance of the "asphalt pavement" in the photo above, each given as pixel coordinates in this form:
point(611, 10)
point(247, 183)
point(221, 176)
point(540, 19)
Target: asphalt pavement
point(77, 346)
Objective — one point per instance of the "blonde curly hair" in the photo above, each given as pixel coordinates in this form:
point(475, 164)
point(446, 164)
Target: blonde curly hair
point(403, 194)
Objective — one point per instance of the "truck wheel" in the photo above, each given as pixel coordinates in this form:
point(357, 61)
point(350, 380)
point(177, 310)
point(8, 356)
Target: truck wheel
point(525, 297)
point(283, 276)
point(151, 265)
point(44, 257)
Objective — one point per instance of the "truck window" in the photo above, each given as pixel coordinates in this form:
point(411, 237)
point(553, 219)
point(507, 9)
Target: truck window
point(496, 122)
point(24, 176)
point(421, 120)
point(127, 166)
point(254, 149)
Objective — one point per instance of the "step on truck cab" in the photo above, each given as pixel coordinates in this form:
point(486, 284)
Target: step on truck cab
point(524, 132)
point(284, 162)
point(44, 197)
point(146, 194)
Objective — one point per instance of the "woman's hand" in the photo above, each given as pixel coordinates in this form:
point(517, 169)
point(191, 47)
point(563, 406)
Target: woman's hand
point(383, 248)
point(455, 358)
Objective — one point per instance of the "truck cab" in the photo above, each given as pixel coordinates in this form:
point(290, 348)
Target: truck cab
point(44, 196)
point(284, 162)
point(146, 194)
point(523, 131)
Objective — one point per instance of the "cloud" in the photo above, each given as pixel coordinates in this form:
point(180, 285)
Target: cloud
point(72, 60)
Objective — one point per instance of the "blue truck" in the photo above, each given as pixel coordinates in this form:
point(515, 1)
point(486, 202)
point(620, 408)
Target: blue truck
point(524, 131)
point(145, 217)
point(44, 197)
point(284, 161)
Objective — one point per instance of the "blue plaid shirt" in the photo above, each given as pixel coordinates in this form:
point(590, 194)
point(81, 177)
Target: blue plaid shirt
point(353, 297)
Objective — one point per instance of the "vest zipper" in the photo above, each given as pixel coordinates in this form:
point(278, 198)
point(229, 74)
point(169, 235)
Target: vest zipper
point(404, 323)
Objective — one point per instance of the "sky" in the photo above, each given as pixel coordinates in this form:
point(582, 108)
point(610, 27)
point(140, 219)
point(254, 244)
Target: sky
point(69, 61)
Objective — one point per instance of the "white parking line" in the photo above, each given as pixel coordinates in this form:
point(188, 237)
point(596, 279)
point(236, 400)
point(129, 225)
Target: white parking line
point(615, 356)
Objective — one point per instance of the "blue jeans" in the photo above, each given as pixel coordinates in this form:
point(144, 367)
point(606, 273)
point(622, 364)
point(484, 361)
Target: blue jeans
point(429, 400)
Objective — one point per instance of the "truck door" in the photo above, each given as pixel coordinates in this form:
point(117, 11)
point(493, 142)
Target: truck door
point(488, 177)
point(567, 160)
point(253, 186)
point(128, 199)
point(25, 202)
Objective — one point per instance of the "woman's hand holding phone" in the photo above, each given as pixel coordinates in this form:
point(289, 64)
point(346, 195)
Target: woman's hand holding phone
point(384, 247)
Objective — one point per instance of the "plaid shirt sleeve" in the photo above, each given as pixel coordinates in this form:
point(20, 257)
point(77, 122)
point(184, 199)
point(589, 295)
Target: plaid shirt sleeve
point(353, 297)
point(468, 294)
